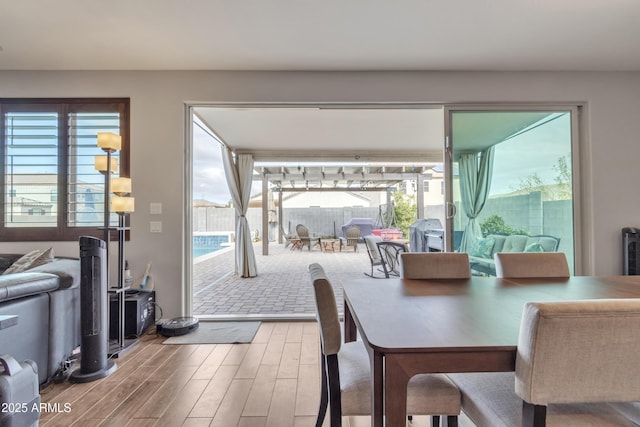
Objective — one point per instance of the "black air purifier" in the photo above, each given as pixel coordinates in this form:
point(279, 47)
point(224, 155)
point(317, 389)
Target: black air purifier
point(93, 313)
point(630, 251)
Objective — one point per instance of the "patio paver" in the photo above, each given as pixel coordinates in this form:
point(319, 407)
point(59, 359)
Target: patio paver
point(282, 288)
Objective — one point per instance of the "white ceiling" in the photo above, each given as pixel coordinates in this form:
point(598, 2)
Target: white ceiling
point(324, 134)
point(320, 35)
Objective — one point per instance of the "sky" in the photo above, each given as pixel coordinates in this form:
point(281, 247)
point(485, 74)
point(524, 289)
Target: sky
point(535, 151)
point(209, 181)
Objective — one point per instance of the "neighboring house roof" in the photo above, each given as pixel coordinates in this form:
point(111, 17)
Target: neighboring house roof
point(202, 203)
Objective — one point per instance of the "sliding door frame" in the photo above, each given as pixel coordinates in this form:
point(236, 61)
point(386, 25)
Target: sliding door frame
point(581, 245)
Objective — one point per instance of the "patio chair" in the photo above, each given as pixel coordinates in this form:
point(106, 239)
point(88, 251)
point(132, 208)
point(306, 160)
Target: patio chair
point(286, 236)
point(305, 238)
point(346, 371)
point(353, 236)
point(572, 356)
point(390, 254)
point(384, 255)
point(371, 243)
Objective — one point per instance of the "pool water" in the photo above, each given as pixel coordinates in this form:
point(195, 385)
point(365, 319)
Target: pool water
point(203, 245)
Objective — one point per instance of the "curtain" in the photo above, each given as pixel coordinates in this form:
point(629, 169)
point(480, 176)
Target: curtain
point(475, 181)
point(239, 176)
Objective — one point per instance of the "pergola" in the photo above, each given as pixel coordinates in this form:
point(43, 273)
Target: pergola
point(332, 177)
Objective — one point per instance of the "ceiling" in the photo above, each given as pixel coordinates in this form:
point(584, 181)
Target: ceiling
point(329, 35)
point(320, 35)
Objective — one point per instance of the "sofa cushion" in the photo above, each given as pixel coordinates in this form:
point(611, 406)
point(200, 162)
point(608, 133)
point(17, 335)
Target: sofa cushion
point(32, 259)
point(483, 248)
point(24, 284)
point(67, 270)
point(515, 243)
point(534, 247)
point(548, 243)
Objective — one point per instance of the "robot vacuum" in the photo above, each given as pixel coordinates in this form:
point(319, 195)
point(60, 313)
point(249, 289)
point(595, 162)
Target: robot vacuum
point(177, 326)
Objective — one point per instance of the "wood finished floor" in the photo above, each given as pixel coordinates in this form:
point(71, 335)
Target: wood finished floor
point(272, 382)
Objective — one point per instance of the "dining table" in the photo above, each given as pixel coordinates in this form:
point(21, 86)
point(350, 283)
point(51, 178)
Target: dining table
point(411, 326)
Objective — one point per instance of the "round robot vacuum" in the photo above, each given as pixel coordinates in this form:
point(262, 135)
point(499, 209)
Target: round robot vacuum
point(177, 326)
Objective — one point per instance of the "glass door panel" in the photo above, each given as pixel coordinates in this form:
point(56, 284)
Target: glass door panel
point(511, 181)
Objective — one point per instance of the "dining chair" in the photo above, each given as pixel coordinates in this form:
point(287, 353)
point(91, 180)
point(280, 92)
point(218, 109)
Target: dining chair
point(434, 265)
point(305, 238)
point(352, 238)
point(571, 357)
point(346, 370)
point(531, 264)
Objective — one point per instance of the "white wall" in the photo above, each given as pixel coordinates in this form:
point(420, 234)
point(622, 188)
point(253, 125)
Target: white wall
point(611, 144)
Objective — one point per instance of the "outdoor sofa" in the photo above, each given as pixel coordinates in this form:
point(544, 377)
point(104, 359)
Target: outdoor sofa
point(481, 255)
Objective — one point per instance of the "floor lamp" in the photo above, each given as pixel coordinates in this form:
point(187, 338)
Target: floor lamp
point(122, 204)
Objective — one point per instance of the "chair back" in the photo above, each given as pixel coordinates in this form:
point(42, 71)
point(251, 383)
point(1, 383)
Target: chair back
point(579, 352)
point(326, 310)
point(434, 265)
point(302, 231)
point(531, 264)
point(353, 235)
point(371, 243)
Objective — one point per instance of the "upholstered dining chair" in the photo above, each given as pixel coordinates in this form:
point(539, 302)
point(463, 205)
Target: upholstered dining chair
point(434, 265)
point(531, 264)
point(352, 238)
point(572, 356)
point(346, 372)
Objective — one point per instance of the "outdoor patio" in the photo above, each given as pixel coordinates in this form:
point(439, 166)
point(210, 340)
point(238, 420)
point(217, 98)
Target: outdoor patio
point(282, 289)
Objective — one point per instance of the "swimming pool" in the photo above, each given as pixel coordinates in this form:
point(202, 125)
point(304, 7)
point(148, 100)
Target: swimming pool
point(208, 243)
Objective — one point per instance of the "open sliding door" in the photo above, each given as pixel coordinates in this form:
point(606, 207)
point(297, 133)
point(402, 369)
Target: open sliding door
point(511, 172)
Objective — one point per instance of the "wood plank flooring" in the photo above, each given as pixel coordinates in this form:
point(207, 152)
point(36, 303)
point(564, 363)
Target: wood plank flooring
point(272, 382)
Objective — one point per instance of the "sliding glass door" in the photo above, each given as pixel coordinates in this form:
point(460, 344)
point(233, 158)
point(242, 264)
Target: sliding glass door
point(512, 182)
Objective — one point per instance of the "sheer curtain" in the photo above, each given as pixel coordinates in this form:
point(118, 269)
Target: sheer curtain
point(239, 176)
point(475, 182)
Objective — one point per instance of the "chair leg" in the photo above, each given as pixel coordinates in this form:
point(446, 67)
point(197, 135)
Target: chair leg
point(452, 421)
point(435, 421)
point(335, 400)
point(324, 392)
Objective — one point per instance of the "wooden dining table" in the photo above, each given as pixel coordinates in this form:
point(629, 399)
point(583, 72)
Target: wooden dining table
point(442, 326)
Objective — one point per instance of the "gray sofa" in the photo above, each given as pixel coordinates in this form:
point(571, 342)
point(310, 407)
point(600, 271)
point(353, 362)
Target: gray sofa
point(481, 256)
point(46, 301)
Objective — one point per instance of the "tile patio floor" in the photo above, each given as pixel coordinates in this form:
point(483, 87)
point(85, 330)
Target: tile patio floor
point(282, 289)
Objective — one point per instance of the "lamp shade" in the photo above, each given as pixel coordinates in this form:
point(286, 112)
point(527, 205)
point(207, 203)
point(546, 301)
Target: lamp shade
point(101, 164)
point(121, 186)
point(109, 141)
point(122, 204)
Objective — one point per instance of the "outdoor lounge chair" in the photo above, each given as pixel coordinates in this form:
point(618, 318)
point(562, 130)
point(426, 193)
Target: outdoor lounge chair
point(353, 236)
point(305, 239)
point(286, 236)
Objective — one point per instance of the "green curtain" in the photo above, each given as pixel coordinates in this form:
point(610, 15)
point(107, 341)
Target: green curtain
point(475, 181)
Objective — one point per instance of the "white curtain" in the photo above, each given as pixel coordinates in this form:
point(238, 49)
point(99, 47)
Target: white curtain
point(239, 176)
point(475, 182)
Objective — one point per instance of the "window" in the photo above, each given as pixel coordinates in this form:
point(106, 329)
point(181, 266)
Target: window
point(51, 188)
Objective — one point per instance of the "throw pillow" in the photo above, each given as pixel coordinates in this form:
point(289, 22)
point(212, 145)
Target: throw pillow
point(534, 247)
point(30, 260)
point(483, 247)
